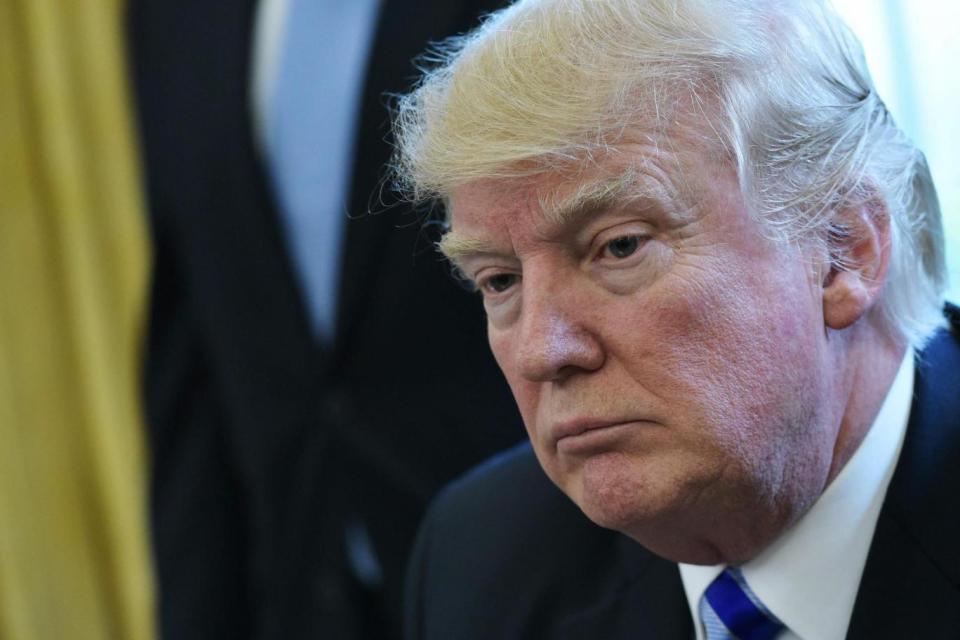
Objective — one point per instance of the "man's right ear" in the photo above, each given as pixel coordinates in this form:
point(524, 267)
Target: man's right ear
point(860, 257)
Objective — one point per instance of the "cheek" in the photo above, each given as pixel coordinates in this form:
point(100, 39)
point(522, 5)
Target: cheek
point(525, 392)
point(681, 336)
point(728, 353)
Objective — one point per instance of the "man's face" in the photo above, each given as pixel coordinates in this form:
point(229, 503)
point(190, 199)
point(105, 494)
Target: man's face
point(669, 360)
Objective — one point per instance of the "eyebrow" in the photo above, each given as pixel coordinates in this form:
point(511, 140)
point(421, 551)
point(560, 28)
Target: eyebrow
point(588, 199)
point(455, 247)
point(564, 211)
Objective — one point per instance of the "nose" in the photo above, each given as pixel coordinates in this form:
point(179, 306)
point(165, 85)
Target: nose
point(555, 338)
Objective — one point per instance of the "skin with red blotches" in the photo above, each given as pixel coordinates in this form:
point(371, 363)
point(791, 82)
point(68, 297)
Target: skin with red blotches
point(675, 367)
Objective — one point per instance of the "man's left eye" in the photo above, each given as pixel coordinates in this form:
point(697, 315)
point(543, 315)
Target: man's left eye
point(623, 247)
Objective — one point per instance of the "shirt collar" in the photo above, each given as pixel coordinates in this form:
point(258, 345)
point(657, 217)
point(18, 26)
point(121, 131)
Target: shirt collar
point(808, 578)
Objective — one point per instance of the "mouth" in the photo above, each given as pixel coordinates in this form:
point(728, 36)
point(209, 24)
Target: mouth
point(588, 436)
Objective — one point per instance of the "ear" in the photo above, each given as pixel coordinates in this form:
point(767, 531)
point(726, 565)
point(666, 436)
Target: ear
point(860, 255)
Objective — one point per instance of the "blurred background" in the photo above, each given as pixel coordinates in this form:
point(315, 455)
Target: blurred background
point(233, 371)
point(206, 431)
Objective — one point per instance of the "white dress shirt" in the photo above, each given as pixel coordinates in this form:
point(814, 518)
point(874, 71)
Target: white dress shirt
point(808, 578)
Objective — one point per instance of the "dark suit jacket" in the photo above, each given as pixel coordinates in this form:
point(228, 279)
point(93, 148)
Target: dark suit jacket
point(265, 446)
point(503, 554)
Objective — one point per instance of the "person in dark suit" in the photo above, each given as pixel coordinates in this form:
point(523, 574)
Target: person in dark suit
point(713, 274)
point(569, 578)
point(290, 466)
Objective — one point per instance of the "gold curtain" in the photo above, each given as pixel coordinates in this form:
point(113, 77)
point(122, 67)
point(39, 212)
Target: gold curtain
point(74, 559)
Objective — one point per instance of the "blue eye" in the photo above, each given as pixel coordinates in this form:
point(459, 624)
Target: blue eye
point(623, 247)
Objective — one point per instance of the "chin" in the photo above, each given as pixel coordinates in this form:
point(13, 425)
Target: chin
point(655, 505)
point(665, 532)
point(614, 495)
point(655, 529)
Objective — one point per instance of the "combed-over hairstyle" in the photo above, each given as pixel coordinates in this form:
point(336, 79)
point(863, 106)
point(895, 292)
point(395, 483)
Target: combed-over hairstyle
point(545, 83)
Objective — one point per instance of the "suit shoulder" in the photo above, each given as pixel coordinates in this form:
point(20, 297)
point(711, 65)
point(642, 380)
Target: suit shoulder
point(922, 493)
point(507, 502)
point(504, 539)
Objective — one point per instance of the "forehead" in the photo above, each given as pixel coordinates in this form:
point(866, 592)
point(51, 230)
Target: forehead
point(667, 168)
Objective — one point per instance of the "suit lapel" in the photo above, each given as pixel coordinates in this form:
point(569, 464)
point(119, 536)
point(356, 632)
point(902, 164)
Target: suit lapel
point(648, 602)
point(909, 586)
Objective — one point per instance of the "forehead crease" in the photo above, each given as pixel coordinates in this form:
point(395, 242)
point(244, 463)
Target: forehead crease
point(560, 207)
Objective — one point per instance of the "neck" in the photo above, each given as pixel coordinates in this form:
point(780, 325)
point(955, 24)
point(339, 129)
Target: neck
point(871, 363)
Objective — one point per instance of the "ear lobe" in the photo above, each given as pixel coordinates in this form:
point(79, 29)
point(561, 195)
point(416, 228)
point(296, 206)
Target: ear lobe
point(860, 256)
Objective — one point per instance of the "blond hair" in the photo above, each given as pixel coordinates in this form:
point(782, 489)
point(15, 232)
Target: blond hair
point(545, 84)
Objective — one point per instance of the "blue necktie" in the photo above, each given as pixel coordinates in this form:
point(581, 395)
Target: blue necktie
point(729, 610)
point(310, 126)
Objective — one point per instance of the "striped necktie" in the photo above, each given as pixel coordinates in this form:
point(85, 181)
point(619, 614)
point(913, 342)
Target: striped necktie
point(730, 611)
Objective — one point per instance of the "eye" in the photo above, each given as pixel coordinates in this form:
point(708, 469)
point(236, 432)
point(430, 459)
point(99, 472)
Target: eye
point(499, 282)
point(623, 247)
